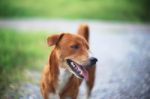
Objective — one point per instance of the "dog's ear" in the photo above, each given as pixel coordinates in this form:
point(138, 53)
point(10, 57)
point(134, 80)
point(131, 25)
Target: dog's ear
point(84, 31)
point(54, 39)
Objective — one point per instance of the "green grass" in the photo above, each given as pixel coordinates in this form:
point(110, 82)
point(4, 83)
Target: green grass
point(19, 51)
point(125, 10)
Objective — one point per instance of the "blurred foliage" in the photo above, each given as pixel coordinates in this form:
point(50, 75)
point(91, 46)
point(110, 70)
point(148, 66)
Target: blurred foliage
point(19, 51)
point(130, 10)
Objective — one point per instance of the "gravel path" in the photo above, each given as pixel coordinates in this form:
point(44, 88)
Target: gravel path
point(123, 51)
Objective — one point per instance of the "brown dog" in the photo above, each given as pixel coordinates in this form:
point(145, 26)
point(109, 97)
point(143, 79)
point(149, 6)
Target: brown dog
point(69, 63)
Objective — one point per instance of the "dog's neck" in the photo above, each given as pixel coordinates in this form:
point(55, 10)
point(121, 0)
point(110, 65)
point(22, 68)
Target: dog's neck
point(59, 74)
point(63, 78)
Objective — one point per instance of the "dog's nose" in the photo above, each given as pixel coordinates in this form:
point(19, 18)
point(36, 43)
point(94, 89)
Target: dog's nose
point(93, 60)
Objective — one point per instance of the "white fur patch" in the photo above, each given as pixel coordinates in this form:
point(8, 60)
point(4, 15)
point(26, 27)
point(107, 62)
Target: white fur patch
point(64, 76)
point(54, 96)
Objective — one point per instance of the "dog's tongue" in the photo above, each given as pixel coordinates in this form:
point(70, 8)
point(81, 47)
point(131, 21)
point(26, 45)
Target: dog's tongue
point(84, 73)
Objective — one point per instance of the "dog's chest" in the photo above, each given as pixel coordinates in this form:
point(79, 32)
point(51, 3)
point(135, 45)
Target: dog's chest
point(64, 76)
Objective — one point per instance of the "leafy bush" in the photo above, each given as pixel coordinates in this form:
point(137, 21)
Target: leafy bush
point(130, 10)
point(19, 51)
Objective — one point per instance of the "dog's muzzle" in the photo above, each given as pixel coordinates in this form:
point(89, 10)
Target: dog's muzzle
point(79, 70)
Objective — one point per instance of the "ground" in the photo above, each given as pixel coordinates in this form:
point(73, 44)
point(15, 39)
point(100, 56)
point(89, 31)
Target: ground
point(122, 49)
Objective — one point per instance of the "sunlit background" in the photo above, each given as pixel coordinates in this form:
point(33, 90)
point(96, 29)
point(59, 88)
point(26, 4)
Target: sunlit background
point(119, 38)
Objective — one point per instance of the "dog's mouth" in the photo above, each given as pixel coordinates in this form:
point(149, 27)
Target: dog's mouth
point(78, 69)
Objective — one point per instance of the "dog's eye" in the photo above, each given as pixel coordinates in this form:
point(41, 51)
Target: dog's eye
point(74, 46)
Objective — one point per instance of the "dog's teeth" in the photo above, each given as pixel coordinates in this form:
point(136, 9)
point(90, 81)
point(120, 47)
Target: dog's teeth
point(78, 70)
point(73, 64)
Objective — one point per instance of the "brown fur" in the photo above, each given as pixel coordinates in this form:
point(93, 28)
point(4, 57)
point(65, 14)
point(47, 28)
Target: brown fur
point(49, 80)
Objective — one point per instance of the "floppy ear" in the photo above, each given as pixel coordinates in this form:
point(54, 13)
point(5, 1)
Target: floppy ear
point(54, 39)
point(84, 31)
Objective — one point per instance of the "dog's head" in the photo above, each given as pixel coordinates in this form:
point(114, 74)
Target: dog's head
point(72, 53)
